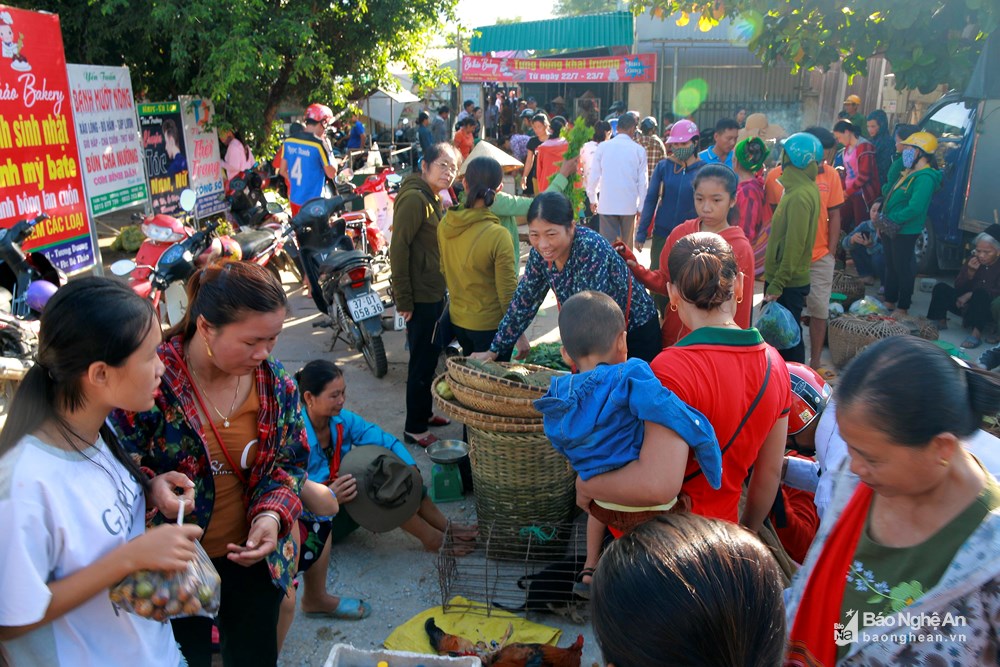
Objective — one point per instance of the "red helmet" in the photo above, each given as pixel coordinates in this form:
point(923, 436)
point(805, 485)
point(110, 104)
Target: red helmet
point(319, 113)
point(810, 394)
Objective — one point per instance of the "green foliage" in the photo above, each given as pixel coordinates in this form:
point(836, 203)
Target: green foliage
point(576, 138)
point(578, 7)
point(250, 56)
point(928, 42)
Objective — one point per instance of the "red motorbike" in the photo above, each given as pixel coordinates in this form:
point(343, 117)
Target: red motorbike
point(367, 227)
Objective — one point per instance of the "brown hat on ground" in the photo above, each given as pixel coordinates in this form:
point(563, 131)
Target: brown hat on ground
point(389, 490)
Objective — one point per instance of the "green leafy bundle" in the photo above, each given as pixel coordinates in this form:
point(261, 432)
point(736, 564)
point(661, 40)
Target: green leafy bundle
point(576, 137)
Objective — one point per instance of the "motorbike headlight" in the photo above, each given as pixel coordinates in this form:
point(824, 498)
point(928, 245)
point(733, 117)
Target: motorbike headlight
point(161, 234)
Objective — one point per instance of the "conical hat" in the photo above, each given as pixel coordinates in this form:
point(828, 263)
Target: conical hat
point(486, 149)
point(757, 126)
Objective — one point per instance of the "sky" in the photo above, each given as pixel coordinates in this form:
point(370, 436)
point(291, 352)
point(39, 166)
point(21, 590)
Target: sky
point(475, 13)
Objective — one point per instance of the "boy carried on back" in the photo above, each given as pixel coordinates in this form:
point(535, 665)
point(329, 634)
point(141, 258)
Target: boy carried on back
point(596, 417)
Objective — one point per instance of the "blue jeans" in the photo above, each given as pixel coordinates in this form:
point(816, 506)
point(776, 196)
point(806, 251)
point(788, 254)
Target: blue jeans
point(868, 265)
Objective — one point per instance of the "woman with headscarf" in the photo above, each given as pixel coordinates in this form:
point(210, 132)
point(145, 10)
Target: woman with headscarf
point(885, 145)
point(754, 216)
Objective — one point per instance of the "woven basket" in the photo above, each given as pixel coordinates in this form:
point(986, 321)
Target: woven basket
point(521, 481)
point(482, 420)
point(848, 334)
point(474, 379)
point(921, 327)
point(493, 404)
point(848, 285)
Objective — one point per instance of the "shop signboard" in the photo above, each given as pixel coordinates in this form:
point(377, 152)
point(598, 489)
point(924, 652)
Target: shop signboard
point(39, 162)
point(110, 154)
point(163, 148)
point(639, 68)
point(204, 161)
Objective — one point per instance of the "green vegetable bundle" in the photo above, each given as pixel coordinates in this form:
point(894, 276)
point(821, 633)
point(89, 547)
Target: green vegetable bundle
point(576, 137)
point(548, 355)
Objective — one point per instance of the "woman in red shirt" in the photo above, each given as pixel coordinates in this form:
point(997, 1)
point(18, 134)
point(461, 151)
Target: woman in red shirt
point(715, 202)
point(729, 374)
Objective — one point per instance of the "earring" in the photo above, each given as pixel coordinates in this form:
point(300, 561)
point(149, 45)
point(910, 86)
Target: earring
point(739, 300)
point(944, 462)
point(208, 349)
point(673, 308)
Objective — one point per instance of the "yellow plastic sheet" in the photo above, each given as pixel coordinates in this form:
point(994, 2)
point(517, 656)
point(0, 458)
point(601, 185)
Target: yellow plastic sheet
point(472, 625)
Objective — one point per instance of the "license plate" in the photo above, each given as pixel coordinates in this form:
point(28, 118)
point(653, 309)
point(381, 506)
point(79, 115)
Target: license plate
point(365, 306)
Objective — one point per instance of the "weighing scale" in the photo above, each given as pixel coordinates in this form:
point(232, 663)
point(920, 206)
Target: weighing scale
point(446, 478)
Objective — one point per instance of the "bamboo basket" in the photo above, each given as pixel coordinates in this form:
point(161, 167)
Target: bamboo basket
point(493, 404)
point(849, 334)
point(490, 384)
point(482, 420)
point(848, 285)
point(521, 481)
point(921, 327)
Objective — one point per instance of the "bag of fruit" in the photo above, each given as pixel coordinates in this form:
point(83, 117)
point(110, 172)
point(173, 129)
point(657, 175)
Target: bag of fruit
point(194, 591)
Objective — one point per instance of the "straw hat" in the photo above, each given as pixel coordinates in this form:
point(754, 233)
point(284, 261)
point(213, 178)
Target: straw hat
point(486, 149)
point(757, 126)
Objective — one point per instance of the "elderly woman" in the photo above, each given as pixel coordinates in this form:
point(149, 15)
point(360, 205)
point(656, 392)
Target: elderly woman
point(977, 286)
point(907, 568)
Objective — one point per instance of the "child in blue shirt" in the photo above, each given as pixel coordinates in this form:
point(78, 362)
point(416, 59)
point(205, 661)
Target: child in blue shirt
point(596, 417)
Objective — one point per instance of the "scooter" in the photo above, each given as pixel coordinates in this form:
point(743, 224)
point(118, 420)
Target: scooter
point(161, 232)
point(369, 227)
point(27, 280)
point(263, 225)
point(341, 279)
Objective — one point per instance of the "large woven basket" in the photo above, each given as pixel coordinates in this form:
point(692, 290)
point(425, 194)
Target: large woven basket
point(492, 404)
point(483, 420)
point(849, 334)
point(521, 481)
point(848, 285)
point(476, 379)
point(921, 327)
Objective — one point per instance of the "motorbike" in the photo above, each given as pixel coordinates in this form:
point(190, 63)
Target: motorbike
point(27, 280)
point(263, 225)
point(341, 278)
point(363, 226)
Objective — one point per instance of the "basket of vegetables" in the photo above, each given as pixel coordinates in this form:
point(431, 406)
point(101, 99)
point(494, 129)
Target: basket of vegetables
point(501, 379)
point(446, 403)
point(548, 355)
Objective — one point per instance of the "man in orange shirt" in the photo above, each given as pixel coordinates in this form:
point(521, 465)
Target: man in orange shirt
point(831, 197)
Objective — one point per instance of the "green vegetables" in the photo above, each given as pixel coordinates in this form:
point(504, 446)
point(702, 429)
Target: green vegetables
point(514, 372)
point(576, 137)
point(548, 355)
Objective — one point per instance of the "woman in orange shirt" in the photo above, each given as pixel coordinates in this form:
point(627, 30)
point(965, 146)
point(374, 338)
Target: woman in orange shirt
point(715, 202)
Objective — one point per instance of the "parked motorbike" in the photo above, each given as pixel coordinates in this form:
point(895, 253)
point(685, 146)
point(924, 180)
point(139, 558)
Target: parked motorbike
point(264, 225)
point(27, 280)
point(363, 226)
point(341, 279)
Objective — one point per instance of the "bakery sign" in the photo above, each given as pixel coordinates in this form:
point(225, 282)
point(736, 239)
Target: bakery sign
point(605, 69)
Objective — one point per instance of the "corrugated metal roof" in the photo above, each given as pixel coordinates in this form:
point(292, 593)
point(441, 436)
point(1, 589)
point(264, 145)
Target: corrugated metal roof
point(577, 32)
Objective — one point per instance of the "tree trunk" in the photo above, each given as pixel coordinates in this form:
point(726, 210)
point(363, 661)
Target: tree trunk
point(277, 93)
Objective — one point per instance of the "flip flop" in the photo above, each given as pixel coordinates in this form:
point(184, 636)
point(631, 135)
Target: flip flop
point(827, 374)
point(971, 342)
point(423, 442)
point(582, 589)
point(438, 420)
point(348, 609)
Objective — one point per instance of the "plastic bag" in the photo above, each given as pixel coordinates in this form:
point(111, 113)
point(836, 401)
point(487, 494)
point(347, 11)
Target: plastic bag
point(778, 327)
point(195, 591)
point(868, 306)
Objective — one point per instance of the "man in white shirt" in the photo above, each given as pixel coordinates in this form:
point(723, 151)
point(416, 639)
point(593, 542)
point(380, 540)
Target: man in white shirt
point(617, 183)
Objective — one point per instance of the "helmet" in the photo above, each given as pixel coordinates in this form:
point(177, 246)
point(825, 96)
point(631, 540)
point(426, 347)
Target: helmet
point(617, 105)
point(38, 294)
point(803, 148)
point(810, 394)
point(648, 124)
point(681, 131)
point(852, 99)
point(925, 141)
point(319, 113)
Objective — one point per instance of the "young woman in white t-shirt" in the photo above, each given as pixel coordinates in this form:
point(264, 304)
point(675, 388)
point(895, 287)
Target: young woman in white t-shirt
point(72, 503)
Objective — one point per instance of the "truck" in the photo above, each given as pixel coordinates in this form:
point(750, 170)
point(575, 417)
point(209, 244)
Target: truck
point(967, 125)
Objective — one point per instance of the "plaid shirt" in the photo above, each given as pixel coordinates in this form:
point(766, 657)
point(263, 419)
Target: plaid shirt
point(170, 436)
point(655, 150)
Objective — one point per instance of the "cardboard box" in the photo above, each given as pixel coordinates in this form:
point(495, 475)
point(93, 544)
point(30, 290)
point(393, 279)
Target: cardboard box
point(345, 655)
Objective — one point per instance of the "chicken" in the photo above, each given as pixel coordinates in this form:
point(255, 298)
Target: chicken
point(445, 644)
point(537, 655)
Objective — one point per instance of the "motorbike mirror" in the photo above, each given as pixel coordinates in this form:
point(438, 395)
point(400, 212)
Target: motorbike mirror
point(274, 208)
point(345, 176)
point(123, 267)
point(188, 199)
point(393, 178)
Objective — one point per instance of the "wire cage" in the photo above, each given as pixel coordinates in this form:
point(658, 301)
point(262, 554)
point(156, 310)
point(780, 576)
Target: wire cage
point(518, 569)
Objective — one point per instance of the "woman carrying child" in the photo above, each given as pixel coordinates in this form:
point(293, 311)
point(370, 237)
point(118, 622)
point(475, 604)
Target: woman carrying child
point(728, 374)
point(227, 416)
point(568, 259)
point(73, 505)
point(715, 198)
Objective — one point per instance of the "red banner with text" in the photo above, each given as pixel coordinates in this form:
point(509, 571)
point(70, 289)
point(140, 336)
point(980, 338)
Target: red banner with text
point(39, 163)
point(605, 69)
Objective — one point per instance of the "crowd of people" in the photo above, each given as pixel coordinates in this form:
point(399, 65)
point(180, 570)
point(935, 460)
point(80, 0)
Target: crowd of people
point(709, 455)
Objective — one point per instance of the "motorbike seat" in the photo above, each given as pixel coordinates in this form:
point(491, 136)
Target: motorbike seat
point(342, 259)
point(252, 242)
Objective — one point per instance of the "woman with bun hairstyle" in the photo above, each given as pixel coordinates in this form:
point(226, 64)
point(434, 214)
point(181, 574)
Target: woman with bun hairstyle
point(914, 538)
point(694, 568)
point(477, 259)
point(731, 376)
point(227, 417)
point(715, 201)
point(73, 504)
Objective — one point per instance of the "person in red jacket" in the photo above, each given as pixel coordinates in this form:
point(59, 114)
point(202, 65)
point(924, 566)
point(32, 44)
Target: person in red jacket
point(715, 202)
point(861, 182)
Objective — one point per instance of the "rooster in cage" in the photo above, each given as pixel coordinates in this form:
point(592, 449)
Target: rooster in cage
point(500, 653)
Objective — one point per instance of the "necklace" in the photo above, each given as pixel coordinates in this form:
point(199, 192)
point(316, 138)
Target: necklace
point(232, 408)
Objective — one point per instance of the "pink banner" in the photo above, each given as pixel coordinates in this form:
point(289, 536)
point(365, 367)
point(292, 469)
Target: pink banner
point(607, 69)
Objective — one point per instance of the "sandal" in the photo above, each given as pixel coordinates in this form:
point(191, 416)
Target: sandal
point(348, 609)
point(581, 588)
point(438, 420)
point(827, 374)
point(971, 342)
point(424, 442)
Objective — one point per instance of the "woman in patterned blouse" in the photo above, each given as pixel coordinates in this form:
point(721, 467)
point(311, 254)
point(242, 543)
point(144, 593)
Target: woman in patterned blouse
point(568, 259)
